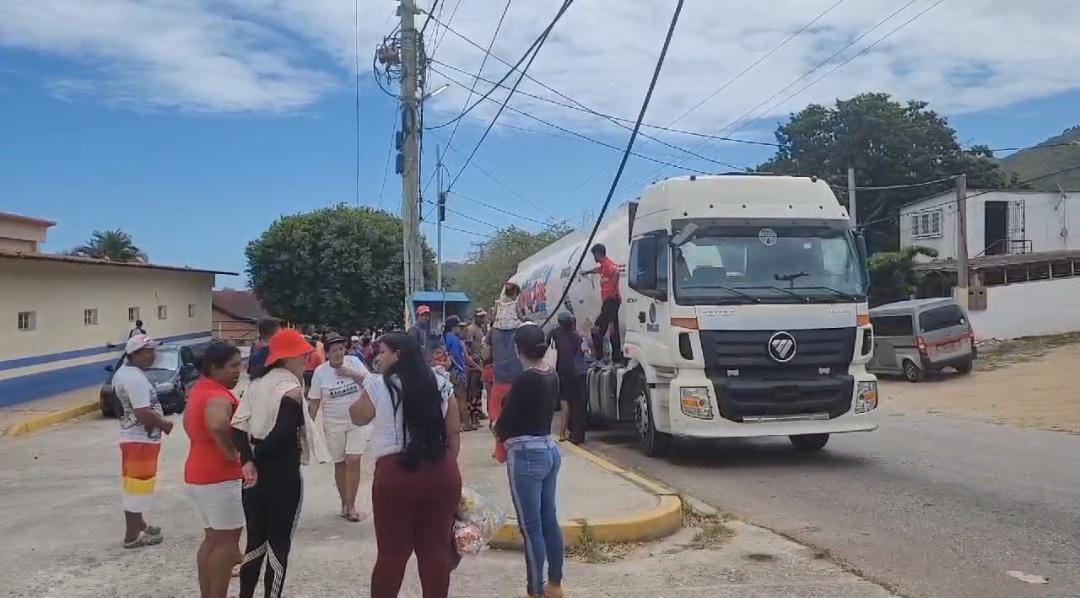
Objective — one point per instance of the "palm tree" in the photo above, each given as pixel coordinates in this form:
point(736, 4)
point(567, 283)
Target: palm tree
point(115, 245)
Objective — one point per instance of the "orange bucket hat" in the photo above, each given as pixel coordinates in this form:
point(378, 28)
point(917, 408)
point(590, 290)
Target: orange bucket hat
point(287, 342)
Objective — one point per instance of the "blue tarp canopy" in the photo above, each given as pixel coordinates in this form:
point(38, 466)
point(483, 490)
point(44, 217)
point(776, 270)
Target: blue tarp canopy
point(457, 304)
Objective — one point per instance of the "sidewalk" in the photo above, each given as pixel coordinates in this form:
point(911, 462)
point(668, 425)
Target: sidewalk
point(54, 404)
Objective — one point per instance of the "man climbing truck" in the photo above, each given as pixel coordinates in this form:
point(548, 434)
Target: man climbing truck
point(743, 311)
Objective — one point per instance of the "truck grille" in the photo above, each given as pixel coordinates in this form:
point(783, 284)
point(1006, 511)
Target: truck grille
point(815, 380)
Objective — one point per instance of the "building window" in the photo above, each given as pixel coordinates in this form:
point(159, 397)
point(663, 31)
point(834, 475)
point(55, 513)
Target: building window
point(133, 314)
point(89, 317)
point(191, 310)
point(27, 320)
point(162, 312)
point(926, 224)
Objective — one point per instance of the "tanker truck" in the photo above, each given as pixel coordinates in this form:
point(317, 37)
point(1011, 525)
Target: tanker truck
point(743, 311)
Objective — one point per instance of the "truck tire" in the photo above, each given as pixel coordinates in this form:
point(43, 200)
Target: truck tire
point(651, 442)
point(809, 442)
point(912, 372)
point(965, 367)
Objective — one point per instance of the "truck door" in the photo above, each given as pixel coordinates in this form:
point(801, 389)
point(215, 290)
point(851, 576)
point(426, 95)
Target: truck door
point(646, 309)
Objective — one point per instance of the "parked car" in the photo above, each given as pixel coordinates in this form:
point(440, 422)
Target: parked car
point(172, 374)
point(918, 336)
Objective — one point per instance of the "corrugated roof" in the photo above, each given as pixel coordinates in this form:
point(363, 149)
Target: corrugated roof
point(242, 305)
point(440, 296)
point(997, 261)
point(89, 261)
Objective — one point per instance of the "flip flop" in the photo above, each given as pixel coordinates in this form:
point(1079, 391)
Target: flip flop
point(357, 516)
point(143, 539)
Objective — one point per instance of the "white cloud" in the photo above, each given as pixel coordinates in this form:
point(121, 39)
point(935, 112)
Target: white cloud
point(284, 55)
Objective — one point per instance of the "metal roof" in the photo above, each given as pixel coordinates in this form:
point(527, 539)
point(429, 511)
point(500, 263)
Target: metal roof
point(909, 304)
point(89, 261)
point(439, 297)
point(998, 261)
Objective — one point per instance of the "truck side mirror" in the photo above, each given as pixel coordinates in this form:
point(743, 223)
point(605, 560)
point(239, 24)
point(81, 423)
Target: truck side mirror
point(864, 256)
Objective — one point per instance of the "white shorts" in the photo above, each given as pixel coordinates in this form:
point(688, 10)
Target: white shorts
point(345, 438)
point(219, 505)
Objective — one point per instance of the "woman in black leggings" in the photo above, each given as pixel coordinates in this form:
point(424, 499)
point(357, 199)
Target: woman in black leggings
point(269, 432)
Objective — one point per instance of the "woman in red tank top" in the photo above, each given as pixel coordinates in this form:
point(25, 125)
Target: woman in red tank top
point(213, 473)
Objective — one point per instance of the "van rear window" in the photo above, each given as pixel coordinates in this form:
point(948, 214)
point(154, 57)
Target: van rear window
point(892, 326)
point(941, 317)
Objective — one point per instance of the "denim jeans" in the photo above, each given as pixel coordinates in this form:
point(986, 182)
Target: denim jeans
point(533, 466)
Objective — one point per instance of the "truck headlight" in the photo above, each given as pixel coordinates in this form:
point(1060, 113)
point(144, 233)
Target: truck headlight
point(866, 400)
point(694, 401)
point(164, 387)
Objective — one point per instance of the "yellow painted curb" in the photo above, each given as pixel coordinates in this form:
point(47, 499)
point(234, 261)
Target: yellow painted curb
point(33, 424)
point(661, 521)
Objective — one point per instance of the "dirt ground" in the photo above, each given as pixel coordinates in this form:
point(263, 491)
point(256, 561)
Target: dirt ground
point(1031, 383)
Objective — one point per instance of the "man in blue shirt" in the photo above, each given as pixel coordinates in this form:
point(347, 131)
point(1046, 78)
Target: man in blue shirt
point(460, 362)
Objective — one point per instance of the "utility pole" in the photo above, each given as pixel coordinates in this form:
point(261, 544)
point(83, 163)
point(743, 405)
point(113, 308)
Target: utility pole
point(961, 240)
point(410, 126)
point(852, 204)
point(440, 215)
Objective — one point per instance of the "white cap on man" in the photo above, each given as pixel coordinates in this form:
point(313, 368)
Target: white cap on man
point(138, 343)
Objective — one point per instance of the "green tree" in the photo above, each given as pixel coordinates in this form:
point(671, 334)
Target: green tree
point(888, 143)
point(492, 263)
point(338, 267)
point(115, 245)
point(893, 276)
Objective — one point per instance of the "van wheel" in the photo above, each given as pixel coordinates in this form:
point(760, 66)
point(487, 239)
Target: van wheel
point(912, 372)
point(651, 441)
point(965, 367)
point(809, 442)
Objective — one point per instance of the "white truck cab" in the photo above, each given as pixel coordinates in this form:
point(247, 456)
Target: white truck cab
point(743, 311)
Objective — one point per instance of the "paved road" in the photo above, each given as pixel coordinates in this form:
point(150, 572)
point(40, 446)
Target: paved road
point(927, 505)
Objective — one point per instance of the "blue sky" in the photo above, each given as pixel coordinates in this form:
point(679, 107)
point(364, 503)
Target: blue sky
point(103, 132)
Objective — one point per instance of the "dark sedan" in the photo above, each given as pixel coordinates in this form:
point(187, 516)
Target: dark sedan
point(172, 374)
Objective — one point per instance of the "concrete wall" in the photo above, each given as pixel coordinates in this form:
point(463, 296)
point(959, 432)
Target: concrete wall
point(1029, 309)
point(17, 229)
point(62, 352)
point(1045, 217)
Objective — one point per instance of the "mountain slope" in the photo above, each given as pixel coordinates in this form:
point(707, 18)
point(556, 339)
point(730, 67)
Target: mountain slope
point(1041, 160)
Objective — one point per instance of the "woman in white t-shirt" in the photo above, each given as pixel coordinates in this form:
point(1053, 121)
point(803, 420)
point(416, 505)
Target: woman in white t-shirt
point(335, 386)
point(414, 439)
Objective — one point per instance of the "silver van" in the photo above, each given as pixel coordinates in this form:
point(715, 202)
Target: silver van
point(919, 336)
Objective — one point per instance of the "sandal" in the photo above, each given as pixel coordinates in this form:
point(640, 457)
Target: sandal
point(356, 516)
point(144, 539)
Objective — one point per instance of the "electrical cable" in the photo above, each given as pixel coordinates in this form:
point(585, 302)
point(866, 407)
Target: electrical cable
point(500, 210)
point(389, 154)
point(622, 162)
point(530, 51)
point(438, 42)
point(430, 11)
point(483, 62)
point(537, 45)
point(597, 141)
point(504, 185)
point(842, 64)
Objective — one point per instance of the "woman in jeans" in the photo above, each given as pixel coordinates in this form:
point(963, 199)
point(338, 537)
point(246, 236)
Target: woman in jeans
point(417, 485)
point(533, 460)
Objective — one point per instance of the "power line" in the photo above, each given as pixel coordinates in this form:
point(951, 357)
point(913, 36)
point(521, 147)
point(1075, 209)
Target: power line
point(594, 140)
point(462, 214)
point(537, 45)
point(845, 62)
point(467, 232)
point(625, 158)
point(758, 61)
point(483, 62)
point(431, 10)
point(389, 154)
point(504, 185)
point(500, 210)
point(901, 186)
point(1017, 149)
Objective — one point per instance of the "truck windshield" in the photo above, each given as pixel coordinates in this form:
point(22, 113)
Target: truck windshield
point(770, 264)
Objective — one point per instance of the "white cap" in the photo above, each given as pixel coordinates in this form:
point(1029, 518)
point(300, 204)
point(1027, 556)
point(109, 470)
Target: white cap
point(355, 339)
point(138, 343)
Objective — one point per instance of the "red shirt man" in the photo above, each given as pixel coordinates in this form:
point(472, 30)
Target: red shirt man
point(610, 299)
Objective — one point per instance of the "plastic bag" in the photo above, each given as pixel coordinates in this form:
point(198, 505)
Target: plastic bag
point(478, 520)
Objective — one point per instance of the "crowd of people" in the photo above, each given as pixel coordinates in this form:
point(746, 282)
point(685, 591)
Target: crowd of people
point(403, 399)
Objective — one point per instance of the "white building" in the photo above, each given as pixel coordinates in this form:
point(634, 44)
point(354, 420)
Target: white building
point(998, 223)
point(1024, 257)
point(63, 318)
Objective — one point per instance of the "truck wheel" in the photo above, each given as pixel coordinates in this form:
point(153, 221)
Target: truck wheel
point(651, 441)
point(912, 372)
point(809, 442)
point(965, 367)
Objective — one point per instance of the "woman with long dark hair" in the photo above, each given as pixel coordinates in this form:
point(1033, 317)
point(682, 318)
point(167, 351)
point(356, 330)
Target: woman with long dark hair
point(417, 486)
point(533, 461)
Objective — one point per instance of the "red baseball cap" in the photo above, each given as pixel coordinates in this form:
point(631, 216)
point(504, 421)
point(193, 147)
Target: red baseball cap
point(423, 309)
point(287, 342)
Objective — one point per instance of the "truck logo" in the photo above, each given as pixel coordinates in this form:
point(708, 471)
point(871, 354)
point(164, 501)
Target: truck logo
point(767, 236)
point(781, 347)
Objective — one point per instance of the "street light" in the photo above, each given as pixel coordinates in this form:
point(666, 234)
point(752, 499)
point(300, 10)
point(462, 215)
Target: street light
point(437, 91)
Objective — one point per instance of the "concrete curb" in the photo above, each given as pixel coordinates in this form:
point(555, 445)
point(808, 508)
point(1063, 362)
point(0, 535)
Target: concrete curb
point(659, 522)
point(37, 422)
